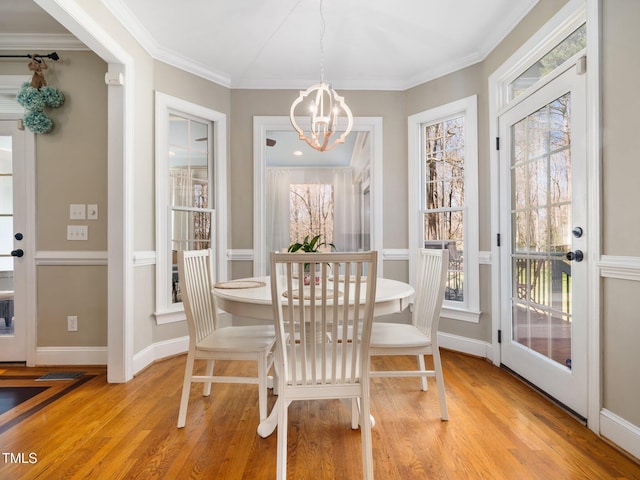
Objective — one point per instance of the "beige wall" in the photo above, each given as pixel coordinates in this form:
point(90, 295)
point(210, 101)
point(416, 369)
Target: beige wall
point(249, 103)
point(71, 167)
point(620, 215)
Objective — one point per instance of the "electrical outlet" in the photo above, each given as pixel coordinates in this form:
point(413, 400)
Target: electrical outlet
point(72, 323)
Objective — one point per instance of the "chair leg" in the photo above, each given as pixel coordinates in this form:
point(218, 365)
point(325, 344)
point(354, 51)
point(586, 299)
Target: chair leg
point(437, 365)
point(262, 385)
point(206, 388)
point(422, 368)
point(365, 432)
point(355, 413)
point(281, 461)
point(186, 389)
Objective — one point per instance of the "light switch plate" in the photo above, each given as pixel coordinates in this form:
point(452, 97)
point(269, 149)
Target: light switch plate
point(77, 211)
point(77, 232)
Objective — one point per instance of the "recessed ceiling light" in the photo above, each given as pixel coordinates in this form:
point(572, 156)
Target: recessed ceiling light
point(297, 153)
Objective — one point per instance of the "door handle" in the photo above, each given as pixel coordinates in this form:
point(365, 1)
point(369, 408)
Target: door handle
point(17, 253)
point(576, 256)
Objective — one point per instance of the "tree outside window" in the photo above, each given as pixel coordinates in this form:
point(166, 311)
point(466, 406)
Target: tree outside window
point(311, 211)
point(444, 198)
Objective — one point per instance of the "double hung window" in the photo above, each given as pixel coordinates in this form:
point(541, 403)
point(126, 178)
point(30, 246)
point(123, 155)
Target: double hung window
point(443, 206)
point(190, 159)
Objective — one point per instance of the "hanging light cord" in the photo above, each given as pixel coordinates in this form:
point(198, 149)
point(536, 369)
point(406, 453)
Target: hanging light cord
point(322, 28)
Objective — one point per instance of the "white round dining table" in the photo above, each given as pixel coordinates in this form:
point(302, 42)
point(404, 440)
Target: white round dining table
point(251, 297)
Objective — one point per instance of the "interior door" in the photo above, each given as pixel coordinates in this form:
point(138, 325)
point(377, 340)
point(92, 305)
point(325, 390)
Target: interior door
point(13, 250)
point(543, 259)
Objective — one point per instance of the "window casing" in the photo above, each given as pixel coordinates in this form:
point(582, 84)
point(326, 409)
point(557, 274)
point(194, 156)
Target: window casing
point(443, 198)
point(190, 194)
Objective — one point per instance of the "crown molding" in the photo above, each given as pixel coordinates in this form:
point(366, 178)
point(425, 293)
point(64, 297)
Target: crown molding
point(17, 41)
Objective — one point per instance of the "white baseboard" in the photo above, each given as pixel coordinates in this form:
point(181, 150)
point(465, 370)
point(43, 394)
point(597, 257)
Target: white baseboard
point(158, 351)
point(71, 356)
point(621, 432)
point(465, 345)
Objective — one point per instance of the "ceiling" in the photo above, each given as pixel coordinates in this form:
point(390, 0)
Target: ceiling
point(368, 44)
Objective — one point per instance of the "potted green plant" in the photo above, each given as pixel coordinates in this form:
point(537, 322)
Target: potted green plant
point(309, 245)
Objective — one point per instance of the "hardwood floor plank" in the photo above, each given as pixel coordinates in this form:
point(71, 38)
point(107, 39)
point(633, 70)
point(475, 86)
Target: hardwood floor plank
point(499, 428)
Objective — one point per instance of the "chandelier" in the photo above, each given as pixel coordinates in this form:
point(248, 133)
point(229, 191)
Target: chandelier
point(325, 108)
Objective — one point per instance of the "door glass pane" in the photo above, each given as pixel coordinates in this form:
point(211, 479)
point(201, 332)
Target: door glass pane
point(541, 223)
point(6, 236)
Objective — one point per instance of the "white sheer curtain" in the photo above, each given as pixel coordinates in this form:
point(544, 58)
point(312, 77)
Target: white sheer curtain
point(180, 193)
point(277, 208)
point(346, 211)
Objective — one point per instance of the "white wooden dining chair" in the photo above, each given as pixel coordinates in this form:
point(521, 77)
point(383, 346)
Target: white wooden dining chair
point(315, 356)
point(419, 338)
point(210, 342)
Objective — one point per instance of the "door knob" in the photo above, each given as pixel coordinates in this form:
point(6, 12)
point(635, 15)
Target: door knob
point(19, 236)
point(577, 232)
point(576, 256)
point(17, 253)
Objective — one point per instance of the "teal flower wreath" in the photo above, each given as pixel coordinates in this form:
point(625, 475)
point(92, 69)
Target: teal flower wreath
point(35, 96)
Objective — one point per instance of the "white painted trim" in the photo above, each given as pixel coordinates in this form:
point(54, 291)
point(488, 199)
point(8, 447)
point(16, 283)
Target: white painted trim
point(594, 214)
point(485, 258)
point(391, 254)
point(70, 257)
point(144, 257)
point(71, 356)
point(261, 125)
point(25, 283)
point(621, 432)
point(240, 254)
point(158, 351)
point(461, 314)
point(622, 268)
point(120, 159)
point(171, 316)
point(466, 345)
point(39, 41)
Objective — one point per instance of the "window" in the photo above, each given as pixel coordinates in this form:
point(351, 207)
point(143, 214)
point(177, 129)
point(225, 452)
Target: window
point(190, 158)
point(190, 209)
point(310, 212)
point(567, 48)
point(444, 197)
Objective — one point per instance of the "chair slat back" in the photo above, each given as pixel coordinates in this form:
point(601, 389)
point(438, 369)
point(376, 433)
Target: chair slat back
point(431, 279)
point(196, 283)
point(323, 332)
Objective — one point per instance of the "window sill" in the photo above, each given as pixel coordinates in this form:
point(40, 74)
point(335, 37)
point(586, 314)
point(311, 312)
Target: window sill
point(172, 316)
point(461, 314)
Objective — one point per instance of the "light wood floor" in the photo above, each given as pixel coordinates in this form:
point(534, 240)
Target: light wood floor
point(498, 429)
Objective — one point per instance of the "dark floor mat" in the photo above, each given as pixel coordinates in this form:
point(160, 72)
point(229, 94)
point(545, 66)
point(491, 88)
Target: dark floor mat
point(10, 397)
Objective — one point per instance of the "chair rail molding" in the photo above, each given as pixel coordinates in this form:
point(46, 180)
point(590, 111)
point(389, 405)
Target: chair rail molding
point(620, 267)
point(68, 257)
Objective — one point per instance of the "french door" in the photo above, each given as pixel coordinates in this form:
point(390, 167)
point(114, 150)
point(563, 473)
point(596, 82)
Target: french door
point(543, 258)
point(16, 149)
